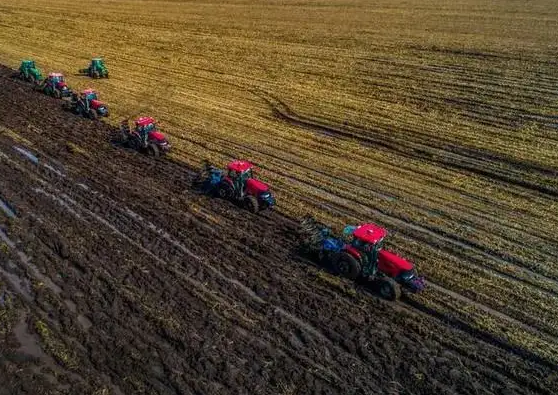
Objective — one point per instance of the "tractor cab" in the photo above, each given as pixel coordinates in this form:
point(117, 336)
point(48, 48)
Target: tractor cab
point(367, 239)
point(28, 64)
point(97, 63)
point(56, 78)
point(89, 94)
point(146, 125)
point(240, 169)
point(58, 81)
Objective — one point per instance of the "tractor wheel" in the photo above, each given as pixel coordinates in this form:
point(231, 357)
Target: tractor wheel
point(225, 191)
point(56, 93)
point(95, 74)
point(153, 150)
point(251, 203)
point(348, 266)
point(389, 289)
point(133, 142)
point(92, 114)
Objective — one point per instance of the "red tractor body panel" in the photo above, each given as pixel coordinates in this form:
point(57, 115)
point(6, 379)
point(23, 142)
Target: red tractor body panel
point(89, 91)
point(239, 166)
point(255, 187)
point(392, 264)
point(95, 104)
point(156, 136)
point(370, 233)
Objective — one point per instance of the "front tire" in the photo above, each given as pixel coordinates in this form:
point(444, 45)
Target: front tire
point(56, 93)
point(348, 266)
point(92, 114)
point(389, 289)
point(252, 204)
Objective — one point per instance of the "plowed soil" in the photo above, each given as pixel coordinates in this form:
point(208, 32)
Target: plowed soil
point(117, 278)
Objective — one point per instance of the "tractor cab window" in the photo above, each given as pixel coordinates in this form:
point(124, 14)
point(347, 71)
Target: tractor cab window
point(57, 79)
point(348, 233)
point(91, 96)
point(247, 174)
point(145, 128)
point(233, 174)
point(361, 245)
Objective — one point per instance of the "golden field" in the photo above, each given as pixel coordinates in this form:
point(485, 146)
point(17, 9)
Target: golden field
point(434, 119)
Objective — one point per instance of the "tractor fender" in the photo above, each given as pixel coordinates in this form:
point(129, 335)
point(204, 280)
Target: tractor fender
point(353, 252)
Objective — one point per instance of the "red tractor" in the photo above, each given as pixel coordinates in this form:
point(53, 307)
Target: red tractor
point(237, 185)
point(87, 104)
point(359, 253)
point(145, 136)
point(54, 85)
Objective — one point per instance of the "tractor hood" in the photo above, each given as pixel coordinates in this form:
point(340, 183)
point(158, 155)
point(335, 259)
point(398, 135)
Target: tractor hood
point(157, 136)
point(95, 104)
point(392, 264)
point(61, 85)
point(255, 187)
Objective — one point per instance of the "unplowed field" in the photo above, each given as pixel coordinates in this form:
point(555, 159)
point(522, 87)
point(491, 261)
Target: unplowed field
point(437, 121)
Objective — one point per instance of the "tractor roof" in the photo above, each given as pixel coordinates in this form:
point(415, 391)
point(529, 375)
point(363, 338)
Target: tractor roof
point(27, 61)
point(55, 75)
point(88, 91)
point(239, 165)
point(142, 121)
point(370, 233)
point(98, 59)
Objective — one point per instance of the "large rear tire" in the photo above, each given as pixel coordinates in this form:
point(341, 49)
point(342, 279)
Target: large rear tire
point(92, 114)
point(389, 289)
point(347, 266)
point(225, 191)
point(56, 93)
point(95, 74)
point(252, 204)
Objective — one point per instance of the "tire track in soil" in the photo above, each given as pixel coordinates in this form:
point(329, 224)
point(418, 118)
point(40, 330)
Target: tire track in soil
point(65, 202)
point(73, 208)
point(339, 211)
point(450, 157)
point(440, 236)
point(219, 207)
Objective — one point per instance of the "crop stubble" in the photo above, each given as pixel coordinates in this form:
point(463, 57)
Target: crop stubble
point(454, 141)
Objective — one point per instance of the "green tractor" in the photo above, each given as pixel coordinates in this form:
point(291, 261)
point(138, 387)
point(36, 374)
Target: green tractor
point(29, 72)
point(96, 69)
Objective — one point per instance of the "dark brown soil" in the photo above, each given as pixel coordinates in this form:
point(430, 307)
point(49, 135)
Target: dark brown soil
point(150, 288)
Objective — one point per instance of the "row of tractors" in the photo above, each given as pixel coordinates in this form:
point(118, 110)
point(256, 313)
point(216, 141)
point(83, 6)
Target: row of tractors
point(358, 253)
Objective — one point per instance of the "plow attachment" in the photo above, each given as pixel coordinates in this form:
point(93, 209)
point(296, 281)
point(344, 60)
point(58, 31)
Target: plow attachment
point(312, 233)
point(208, 178)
